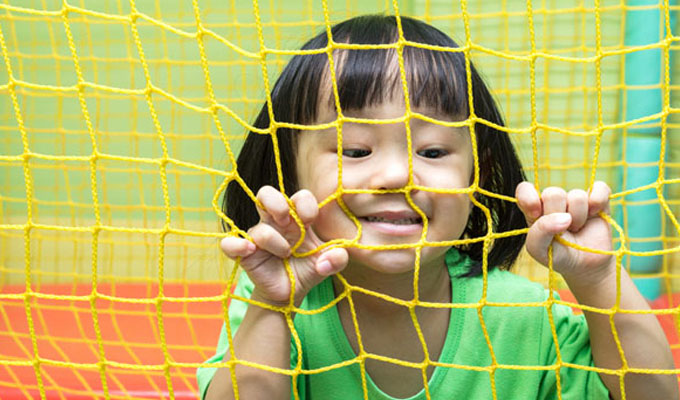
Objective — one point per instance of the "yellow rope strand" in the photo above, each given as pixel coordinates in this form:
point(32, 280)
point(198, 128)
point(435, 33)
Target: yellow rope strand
point(80, 148)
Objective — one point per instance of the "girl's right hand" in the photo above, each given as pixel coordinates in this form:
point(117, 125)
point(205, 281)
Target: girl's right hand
point(273, 238)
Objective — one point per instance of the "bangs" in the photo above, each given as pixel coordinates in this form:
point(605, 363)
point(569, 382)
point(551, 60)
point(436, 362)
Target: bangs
point(365, 77)
point(435, 79)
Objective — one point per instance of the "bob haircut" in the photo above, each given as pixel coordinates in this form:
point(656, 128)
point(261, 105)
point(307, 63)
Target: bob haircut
point(436, 79)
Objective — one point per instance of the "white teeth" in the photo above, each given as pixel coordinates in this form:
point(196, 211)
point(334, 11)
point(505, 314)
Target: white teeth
point(402, 221)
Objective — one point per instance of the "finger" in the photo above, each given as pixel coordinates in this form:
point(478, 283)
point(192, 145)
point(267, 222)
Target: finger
point(275, 209)
point(332, 261)
point(554, 200)
point(528, 201)
point(577, 206)
point(267, 238)
point(598, 199)
point(234, 247)
point(306, 206)
point(541, 234)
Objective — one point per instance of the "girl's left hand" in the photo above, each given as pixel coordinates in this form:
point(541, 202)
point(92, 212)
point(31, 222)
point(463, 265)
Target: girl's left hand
point(574, 216)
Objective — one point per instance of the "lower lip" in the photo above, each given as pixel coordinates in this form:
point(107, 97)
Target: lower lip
point(393, 229)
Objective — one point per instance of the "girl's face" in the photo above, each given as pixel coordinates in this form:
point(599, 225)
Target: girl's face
point(375, 156)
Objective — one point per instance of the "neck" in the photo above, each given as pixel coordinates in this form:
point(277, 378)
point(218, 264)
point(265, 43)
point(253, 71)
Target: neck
point(433, 285)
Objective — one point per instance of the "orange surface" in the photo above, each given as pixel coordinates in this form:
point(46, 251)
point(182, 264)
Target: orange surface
point(130, 333)
point(669, 324)
point(666, 320)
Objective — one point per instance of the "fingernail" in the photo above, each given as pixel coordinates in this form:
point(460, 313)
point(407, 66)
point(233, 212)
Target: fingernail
point(324, 268)
point(562, 218)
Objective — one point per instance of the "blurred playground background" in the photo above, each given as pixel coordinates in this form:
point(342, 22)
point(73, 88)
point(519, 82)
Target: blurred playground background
point(116, 122)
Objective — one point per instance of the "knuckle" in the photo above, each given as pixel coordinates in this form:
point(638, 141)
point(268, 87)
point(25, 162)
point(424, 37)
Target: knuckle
point(553, 193)
point(603, 191)
point(603, 185)
point(525, 186)
point(253, 229)
point(523, 192)
point(264, 191)
point(306, 208)
point(268, 235)
point(261, 195)
point(229, 243)
point(270, 197)
point(577, 194)
point(261, 233)
point(273, 203)
point(303, 193)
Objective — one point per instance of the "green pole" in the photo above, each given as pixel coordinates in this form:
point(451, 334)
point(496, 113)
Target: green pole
point(644, 72)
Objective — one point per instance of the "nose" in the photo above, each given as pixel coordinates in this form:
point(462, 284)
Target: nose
point(392, 172)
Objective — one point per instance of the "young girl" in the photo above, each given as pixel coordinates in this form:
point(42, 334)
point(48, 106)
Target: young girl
point(386, 247)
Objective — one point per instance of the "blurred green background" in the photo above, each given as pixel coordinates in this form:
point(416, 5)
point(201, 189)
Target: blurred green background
point(55, 146)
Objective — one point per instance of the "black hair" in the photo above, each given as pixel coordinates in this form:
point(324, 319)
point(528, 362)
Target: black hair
point(436, 79)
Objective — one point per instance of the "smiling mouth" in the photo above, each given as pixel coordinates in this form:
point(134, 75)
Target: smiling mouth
point(400, 221)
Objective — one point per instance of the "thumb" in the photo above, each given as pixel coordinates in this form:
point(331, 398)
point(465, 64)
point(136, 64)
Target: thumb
point(325, 263)
point(328, 262)
point(542, 232)
point(332, 261)
point(322, 266)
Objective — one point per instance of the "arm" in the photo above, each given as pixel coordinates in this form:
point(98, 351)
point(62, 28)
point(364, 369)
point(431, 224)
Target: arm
point(592, 279)
point(263, 336)
point(642, 338)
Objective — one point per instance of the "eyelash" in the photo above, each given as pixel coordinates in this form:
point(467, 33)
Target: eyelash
point(427, 153)
point(355, 153)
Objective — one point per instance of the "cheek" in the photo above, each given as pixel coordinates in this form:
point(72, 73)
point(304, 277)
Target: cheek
point(319, 176)
point(451, 215)
point(455, 174)
point(321, 184)
point(333, 223)
point(360, 177)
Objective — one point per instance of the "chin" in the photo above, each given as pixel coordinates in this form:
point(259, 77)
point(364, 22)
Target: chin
point(398, 261)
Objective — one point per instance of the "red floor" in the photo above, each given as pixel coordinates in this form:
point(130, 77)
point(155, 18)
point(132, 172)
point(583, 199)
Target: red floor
point(666, 320)
point(130, 338)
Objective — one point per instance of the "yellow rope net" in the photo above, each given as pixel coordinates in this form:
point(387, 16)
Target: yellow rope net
point(119, 129)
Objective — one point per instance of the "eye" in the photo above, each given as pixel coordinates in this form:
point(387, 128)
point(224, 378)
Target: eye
point(355, 153)
point(432, 153)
